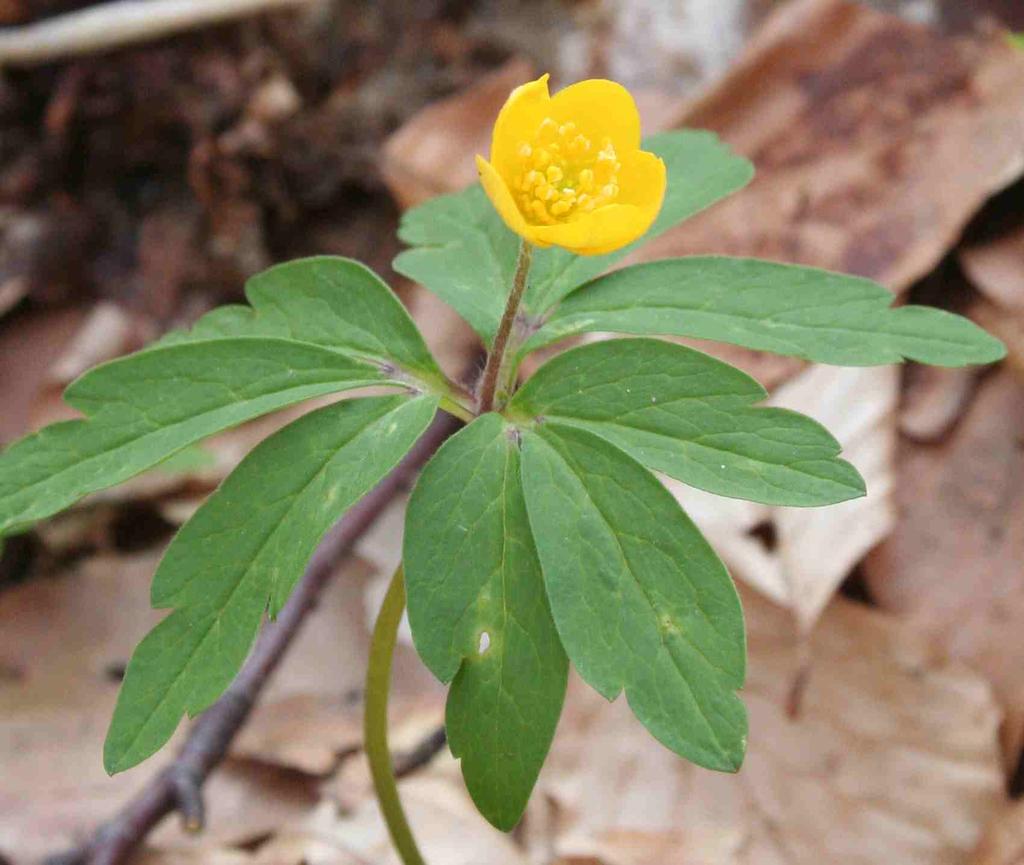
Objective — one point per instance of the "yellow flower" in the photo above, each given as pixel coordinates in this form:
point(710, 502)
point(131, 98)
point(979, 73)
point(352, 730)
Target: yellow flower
point(568, 170)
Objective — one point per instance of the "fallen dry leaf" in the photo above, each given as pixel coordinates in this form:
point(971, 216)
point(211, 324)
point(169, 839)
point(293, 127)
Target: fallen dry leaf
point(107, 332)
point(29, 344)
point(62, 642)
point(997, 269)
point(1003, 841)
point(208, 856)
point(953, 564)
point(934, 400)
point(307, 732)
point(418, 159)
point(810, 551)
point(863, 128)
point(60, 639)
point(448, 830)
point(892, 757)
point(632, 847)
point(12, 291)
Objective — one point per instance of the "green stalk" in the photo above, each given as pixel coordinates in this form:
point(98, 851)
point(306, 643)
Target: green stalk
point(375, 720)
point(496, 369)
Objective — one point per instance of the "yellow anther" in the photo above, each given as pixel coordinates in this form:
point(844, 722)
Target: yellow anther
point(539, 210)
point(531, 179)
point(562, 175)
point(544, 192)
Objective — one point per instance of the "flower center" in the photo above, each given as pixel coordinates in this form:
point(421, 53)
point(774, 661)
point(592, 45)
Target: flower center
point(562, 175)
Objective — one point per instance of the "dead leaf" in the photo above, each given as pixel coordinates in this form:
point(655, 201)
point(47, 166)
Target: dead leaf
point(29, 344)
point(307, 732)
point(1003, 841)
point(798, 557)
point(12, 291)
point(448, 830)
point(893, 757)
point(865, 130)
point(633, 847)
point(997, 269)
point(953, 563)
point(418, 159)
point(63, 641)
point(934, 400)
point(207, 856)
point(106, 333)
point(66, 636)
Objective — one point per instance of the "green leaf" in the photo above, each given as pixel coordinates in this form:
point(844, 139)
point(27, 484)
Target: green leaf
point(241, 554)
point(1016, 40)
point(471, 570)
point(688, 415)
point(786, 309)
point(143, 408)
point(328, 301)
point(701, 170)
point(641, 601)
point(463, 252)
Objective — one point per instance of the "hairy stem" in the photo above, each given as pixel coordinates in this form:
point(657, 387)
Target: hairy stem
point(375, 720)
point(496, 360)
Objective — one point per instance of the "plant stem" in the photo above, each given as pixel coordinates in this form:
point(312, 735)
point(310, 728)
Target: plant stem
point(375, 720)
point(496, 359)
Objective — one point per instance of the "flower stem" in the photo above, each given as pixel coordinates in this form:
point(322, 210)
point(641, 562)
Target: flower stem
point(496, 359)
point(375, 720)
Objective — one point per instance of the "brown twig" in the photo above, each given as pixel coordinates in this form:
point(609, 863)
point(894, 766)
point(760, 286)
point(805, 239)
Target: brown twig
point(179, 786)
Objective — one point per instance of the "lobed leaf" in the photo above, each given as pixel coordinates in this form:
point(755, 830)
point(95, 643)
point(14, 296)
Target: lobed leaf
point(701, 170)
point(463, 252)
point(143, 408)
point(479, 613)
point(686, 414)
point(328, 301)
point(641, 601)
point(787, 309)
point(241, 554)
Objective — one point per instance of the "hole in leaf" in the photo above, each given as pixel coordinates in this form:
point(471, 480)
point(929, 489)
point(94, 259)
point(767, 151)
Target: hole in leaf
point(485, 643)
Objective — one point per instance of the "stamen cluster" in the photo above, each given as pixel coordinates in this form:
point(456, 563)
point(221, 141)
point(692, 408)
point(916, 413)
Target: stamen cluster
point(562, 174)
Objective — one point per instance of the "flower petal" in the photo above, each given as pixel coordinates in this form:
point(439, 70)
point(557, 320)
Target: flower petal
point(518, 121)
point(600, 109)
point(642, 182)
point(605, 229)
point(501, 197)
